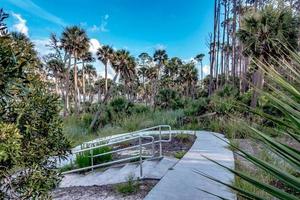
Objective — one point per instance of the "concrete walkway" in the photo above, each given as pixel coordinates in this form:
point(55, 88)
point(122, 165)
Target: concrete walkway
point(182, 182)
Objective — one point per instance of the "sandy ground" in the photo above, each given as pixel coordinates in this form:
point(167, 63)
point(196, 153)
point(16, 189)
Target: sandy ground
point(108, 192)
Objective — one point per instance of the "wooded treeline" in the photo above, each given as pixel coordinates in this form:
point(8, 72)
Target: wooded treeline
point(247, 29)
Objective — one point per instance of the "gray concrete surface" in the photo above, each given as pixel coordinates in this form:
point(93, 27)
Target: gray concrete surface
point(182, 183)
point(153, 169)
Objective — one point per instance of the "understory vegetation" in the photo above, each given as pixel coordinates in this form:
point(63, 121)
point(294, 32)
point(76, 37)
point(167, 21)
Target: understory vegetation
point(251, 95)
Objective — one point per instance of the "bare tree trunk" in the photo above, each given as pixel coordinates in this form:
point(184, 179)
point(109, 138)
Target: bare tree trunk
point(223, 41)
point(76, 84)
point(218, 43)
point(67, 86)
point(83, 82)
point(234, 41)
point(212, 64)
point(106, 81)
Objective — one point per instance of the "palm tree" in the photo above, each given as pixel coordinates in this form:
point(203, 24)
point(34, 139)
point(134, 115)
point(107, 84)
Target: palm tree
point(199, 59)
point(75, 41)
point(56, 67)
point(105, 54)
point(160, 56)
point(266, 33)
point(91, 73)
point(87, 57)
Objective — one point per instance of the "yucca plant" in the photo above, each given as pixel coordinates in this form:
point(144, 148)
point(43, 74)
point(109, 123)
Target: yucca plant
point(283, 93)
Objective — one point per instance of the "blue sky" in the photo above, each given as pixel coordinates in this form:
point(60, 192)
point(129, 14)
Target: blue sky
point(179, 26)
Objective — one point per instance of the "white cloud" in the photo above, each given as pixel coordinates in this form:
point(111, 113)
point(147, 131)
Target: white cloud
point(41, 46)
point(160, 46)
point(103, 24)
point(20, 25)
point(94, 28)
point(34, 9)
point(94, 45)
point(206, 70)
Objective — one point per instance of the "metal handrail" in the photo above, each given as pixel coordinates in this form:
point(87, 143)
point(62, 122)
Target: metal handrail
point(103, 140)
point(123, 138)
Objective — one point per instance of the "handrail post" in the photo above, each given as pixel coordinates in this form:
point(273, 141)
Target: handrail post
point(160, 145)
point(92, 159)
point(141, 160)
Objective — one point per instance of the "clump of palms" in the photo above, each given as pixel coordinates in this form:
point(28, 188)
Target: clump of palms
point(283, 93)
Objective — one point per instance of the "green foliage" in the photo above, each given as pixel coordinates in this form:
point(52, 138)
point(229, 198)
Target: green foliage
point(10, 145)
point(84, 159)
point(119, 105)
point(168, 99)
point(283, 94)
point(179, 154)
point(130, 187)
point(183, 138)
point(31, 128)
point(196, 107)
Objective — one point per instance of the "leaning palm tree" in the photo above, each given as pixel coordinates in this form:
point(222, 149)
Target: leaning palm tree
point(105, 54)
point(75, 41)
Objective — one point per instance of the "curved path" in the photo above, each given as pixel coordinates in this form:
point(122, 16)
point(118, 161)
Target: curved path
point(182, 183)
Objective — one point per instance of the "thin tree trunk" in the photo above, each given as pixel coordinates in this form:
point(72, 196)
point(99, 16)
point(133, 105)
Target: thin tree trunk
point(105, 76)
point(218, 43)
point(213, 50)
point(76, 84)
point(234, 41)
point(67, 86)
point(83, 83)
point(223, 41)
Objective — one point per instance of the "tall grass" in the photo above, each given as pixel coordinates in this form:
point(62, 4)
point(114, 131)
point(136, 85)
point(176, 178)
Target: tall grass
point(76, 128)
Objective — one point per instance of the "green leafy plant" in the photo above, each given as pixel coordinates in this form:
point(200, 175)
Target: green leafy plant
point(130, 187)
point(179, 154)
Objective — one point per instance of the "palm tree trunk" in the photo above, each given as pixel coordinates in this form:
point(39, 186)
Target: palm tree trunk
point(106, 81)
point(83, 82)
point(234, 41)
point(223, 40)
point(76, 84)
point(67, 86)
point(212, 65)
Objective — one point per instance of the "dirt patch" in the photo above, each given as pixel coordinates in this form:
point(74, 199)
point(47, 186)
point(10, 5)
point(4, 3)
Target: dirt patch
point(107, 192)
point(179, 143)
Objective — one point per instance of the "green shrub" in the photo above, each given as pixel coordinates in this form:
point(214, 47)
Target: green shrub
point(179, 154)
point(196, 107)
point(130, 187)
point(86, 119)
point(227, 91)
point(168, 99)
point(10, 145)
point(84, 159)
point(119, 105)
point(139, 108)
point(183, 138)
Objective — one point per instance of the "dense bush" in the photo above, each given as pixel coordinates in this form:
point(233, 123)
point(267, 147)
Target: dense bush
point(168, 99)
point(196, 107)
point(10, 143)
point(27, 109)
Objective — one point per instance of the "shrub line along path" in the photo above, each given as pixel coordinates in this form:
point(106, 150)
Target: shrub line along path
point(183, 183)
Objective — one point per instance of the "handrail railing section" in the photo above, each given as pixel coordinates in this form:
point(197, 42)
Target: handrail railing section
point(113, 140)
